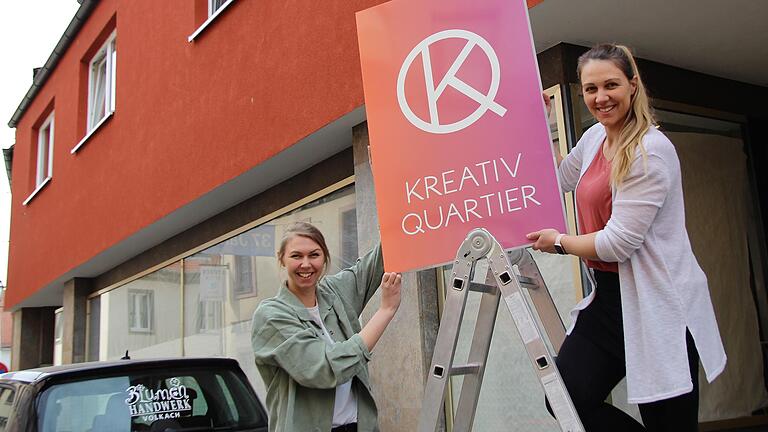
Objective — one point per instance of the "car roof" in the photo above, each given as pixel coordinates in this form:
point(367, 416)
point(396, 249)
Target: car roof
point(111, 366)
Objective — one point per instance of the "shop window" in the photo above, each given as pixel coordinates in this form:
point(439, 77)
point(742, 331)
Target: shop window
point(101, 83)
point(208, 298)
point(124, 318)
point(140, 310)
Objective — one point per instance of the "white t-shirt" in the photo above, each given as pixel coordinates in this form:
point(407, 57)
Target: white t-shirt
point(345, 407)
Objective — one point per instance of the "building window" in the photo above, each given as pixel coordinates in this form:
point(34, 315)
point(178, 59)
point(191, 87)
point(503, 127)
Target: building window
point(43, 156)
point(140, 310)
point(45, 151)
point(101, 83)
point(214, 5)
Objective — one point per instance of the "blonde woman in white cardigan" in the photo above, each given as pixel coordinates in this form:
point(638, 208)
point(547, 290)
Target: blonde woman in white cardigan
point(649, 316)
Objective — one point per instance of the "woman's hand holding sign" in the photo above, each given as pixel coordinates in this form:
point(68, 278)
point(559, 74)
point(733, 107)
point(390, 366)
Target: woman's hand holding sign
point(544, 240)
point(582, 246)
point(390, 291)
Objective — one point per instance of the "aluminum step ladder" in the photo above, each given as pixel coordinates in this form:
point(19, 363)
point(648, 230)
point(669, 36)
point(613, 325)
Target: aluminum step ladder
point(502, 281)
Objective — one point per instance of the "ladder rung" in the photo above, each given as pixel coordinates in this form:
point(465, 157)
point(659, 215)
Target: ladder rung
point(467, 369)
point(483, 288)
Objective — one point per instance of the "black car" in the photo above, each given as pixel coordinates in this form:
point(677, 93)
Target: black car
point(183, 394)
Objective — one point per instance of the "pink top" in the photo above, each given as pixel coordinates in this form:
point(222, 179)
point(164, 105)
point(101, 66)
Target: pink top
point(593, 203)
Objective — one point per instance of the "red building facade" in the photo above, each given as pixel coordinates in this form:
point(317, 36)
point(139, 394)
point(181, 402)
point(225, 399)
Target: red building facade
point(189, 116)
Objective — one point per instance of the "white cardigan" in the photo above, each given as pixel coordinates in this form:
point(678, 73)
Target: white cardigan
point(663, 289)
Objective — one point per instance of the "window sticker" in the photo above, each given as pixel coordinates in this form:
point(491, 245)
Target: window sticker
point(159, 404)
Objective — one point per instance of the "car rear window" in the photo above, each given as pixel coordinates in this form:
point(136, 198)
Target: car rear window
point(153, 400)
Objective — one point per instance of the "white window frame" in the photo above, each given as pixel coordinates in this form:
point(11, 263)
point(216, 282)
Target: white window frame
point(108, 54)
point(135, 304)
point(212, 8)
point(213, 12)
point(45, 151)
point(44, 165)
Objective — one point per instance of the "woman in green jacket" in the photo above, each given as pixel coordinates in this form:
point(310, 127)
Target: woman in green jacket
point(309, 346)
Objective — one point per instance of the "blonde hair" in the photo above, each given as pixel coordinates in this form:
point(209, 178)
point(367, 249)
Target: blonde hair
point(640, 116)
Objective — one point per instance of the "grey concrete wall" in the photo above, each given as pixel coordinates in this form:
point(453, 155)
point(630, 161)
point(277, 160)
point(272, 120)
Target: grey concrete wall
point(32, 338)
point(404, 353)
point(75, 302)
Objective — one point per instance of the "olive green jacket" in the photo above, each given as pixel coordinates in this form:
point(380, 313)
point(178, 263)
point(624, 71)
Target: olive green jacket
point(299, 368)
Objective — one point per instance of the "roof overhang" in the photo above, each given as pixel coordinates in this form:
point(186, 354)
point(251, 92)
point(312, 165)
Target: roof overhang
point(724, 39)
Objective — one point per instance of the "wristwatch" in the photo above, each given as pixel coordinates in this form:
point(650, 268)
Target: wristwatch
point(559, 247)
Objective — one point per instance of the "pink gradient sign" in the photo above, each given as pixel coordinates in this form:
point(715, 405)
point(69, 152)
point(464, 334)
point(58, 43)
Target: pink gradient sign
point(459, 137)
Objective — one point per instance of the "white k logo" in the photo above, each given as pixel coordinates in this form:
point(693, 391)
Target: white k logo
point(434, 92)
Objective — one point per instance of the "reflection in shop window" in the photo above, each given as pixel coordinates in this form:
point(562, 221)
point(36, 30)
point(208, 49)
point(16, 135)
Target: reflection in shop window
point(124, 319)
point(245, 277)
point(213, 286)
point(208, 316)
point(140, 310)
point(213, 282)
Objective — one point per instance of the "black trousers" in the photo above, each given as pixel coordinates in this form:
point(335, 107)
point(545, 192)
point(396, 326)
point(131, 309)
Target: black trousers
point(591, 363)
